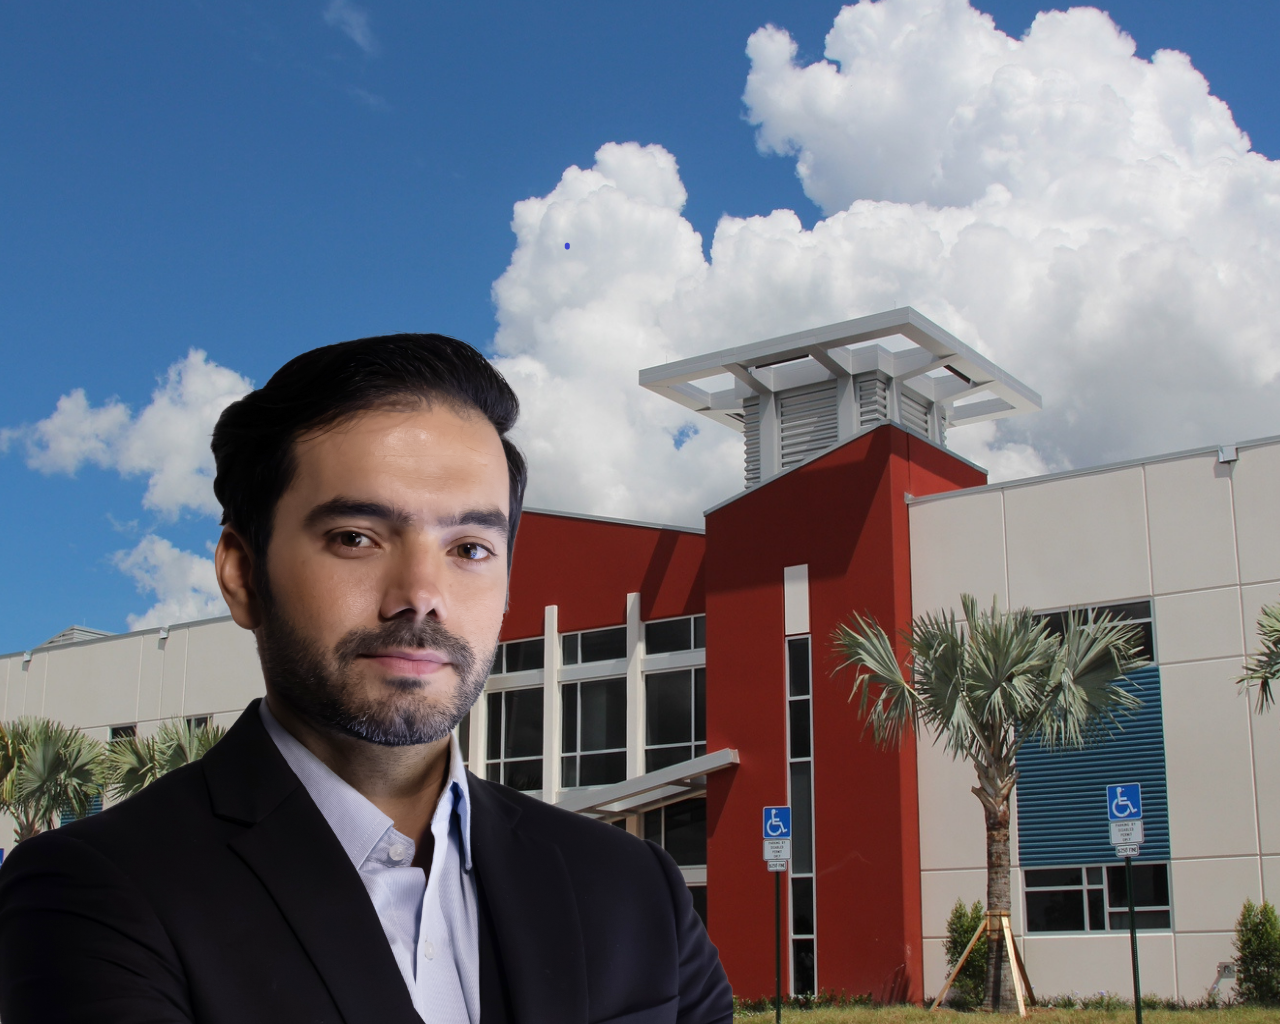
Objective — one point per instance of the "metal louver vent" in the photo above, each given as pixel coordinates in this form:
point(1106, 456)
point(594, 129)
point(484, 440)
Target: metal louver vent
point(808, 422)
point(1062, 808)
point(873, 401)
point(751, 432)
point(914, 411)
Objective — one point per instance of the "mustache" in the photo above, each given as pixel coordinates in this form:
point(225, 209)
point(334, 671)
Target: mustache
point(403, 634)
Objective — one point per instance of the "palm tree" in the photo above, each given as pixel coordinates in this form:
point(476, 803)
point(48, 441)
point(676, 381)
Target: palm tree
point(47, 769)
point(985, 687)
point(135, 762)
point(1263, 668)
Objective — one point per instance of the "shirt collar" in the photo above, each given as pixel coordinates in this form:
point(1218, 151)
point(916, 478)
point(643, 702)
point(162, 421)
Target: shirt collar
point(355, 820)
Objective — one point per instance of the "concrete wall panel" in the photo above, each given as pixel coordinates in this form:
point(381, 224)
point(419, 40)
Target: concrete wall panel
point(223, 671)
point(941, 889)
point(151, 677)
point(1207, 894)
point(1197, 626)
point(952, 832)
point(1088, 964)
point(1192, 531)
point(94, 684)
point(1266, 769)
point(1256, 480)
point(1203, 711)
point(957, 546)
point(173, 677)
point(1198, 959)
point(1077, 541)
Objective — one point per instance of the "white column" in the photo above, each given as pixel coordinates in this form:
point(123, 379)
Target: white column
point(846, 407)
point(635, 688)
point(479, 734)
point(551, 703)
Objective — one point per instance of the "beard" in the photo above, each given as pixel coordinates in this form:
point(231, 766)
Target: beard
point(323, 687)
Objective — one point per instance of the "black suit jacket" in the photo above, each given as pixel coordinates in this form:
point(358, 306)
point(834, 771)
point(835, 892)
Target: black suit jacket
point(220, 894)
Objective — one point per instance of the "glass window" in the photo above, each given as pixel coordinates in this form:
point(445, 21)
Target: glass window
point(524, 655)
point(799, 723)
point(593, 732)
point(699, 632)
point(569, 648)
point(802, 906)
point(514, 755)
point(681, 830)
point(801, 818)
point(668, 635)
point(675, 717)
point(798, 667)
point(802, 969)
point(603, 644)
point(1150, 896)
point(123, 732)
point(198, 722)
point(1073, 899)
point(497, 662)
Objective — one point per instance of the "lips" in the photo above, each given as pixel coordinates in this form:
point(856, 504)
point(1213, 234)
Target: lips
point(410, 663)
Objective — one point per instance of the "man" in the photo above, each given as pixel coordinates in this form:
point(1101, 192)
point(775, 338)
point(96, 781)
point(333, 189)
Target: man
point(330, 859)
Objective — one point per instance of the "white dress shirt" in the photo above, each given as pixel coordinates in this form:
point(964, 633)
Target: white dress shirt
point(431, 921)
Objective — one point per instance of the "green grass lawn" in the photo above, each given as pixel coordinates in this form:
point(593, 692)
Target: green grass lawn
point(1045, 1015)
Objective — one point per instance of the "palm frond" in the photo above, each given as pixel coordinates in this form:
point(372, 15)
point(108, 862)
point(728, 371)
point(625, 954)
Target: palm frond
point(1082, 696)
point(1263, 667)
point(866, 649)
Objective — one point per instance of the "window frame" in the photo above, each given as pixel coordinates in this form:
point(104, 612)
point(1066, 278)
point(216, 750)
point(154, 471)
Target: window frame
point(1103, 887)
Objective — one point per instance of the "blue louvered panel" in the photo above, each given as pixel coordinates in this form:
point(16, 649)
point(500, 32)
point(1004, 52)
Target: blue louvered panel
point(1062, 795)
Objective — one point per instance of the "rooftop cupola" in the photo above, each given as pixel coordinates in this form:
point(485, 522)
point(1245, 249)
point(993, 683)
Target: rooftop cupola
point(797, 396)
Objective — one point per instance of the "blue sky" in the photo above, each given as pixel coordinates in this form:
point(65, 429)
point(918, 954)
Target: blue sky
point(255, 179)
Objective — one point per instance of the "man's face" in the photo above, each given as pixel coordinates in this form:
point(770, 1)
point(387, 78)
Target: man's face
point(387, 574)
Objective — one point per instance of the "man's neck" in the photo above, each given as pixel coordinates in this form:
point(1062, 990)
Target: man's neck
point(404, 783)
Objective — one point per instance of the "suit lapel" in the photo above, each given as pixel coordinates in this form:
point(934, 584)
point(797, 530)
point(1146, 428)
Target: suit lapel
point(535, 918)
point(296, 856)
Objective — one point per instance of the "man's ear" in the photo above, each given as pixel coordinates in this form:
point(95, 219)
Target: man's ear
point(234, 565)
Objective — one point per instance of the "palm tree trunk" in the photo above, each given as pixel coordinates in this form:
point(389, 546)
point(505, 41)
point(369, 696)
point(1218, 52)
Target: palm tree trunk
point(1000, 996)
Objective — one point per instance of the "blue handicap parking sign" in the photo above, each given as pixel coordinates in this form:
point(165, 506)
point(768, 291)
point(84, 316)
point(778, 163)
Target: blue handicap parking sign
point(1124, 802)
point(777, 822)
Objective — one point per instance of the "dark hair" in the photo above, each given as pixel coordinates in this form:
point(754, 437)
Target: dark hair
point(253, 442)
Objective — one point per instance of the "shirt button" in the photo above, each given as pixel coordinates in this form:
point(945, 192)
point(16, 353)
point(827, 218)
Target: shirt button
point(396, 852)
point(429, 951)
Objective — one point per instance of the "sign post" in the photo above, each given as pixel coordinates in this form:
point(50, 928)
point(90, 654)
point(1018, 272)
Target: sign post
point(1124, 814)
point(777, 851)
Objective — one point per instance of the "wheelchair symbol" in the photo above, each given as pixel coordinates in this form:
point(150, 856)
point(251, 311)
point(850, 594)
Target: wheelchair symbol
point(777, 822)
point(1124, 802)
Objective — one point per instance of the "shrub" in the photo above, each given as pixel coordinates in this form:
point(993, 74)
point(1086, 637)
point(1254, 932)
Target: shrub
point(1257, 957)
point(968, 989)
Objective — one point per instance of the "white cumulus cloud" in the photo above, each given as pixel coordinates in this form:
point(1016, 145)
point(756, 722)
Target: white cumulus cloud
point(1094, 222)
point(184, 584)
point(352, 21)
point(167, 442)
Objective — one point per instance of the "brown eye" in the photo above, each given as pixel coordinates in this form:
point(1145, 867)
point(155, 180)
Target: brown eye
point(473, 552)
point(351, 539)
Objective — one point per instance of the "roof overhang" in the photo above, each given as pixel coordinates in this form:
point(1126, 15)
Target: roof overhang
point(928, 359)
point(653, 789)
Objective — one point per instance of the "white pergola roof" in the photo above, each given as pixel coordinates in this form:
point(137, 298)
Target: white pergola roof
point(653, 789)
point(937, 364)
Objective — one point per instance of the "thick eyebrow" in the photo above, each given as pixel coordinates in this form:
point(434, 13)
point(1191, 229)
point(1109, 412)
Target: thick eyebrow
point(490, 518)
point(343, 508)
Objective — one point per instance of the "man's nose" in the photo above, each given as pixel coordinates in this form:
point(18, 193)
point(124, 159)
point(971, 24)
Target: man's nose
point(414, 587)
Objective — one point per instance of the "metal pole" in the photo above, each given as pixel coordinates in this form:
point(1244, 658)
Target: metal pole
point(777, 947)
point(1133, 940)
